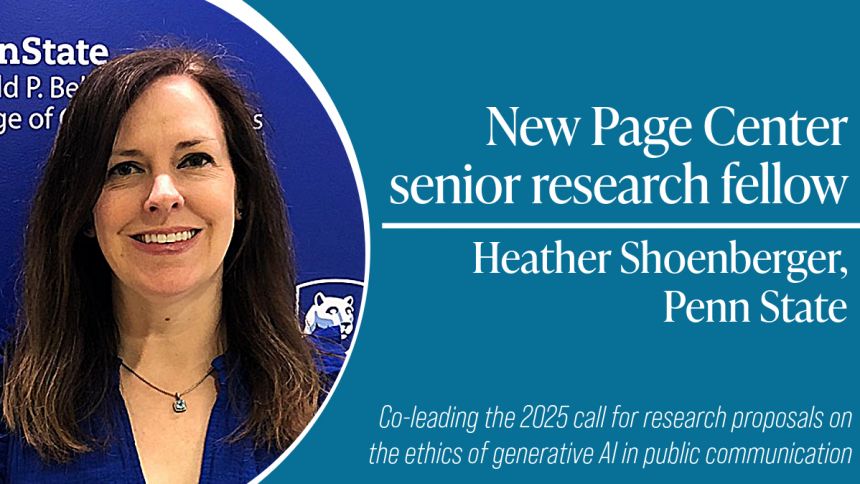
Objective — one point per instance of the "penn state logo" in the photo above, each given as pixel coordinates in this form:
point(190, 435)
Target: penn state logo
point(331, 311)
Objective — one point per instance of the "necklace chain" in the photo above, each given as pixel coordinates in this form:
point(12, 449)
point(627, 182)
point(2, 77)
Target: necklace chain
point(176, 395)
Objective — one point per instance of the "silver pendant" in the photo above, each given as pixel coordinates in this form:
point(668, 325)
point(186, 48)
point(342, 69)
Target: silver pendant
point(179, 405)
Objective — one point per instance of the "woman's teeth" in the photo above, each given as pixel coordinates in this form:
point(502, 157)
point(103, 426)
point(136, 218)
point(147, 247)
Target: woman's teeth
point(166, 238)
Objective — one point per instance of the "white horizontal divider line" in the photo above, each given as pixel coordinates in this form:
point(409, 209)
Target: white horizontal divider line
point(620, 225)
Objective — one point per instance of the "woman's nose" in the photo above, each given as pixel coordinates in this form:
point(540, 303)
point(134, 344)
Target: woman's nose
point(164, 195)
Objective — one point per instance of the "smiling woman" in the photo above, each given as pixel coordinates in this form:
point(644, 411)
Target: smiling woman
point(151, 314)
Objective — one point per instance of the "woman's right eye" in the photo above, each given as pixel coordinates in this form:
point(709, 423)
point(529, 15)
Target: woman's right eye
point(123, 169)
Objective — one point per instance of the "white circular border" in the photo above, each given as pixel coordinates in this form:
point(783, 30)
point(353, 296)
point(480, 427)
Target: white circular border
point(250, 17)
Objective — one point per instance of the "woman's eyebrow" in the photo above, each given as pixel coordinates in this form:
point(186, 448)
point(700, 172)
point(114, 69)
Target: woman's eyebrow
point(127, 153)
point(182, 145)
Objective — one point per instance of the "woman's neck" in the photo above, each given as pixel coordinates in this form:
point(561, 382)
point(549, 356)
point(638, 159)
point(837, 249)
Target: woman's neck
point(172, 339)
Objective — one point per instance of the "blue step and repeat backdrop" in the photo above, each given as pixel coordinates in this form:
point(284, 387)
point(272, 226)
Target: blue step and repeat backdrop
point(608, 242)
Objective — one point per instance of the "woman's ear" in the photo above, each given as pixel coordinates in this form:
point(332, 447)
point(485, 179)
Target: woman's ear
point(239, 210)
point(89, 229)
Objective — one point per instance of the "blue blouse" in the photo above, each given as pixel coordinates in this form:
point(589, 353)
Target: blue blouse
point(223, 462)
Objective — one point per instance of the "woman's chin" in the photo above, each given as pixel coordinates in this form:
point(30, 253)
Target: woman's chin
point(171, 286)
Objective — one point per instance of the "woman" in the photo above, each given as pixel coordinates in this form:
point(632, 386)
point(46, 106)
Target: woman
point(157, 337)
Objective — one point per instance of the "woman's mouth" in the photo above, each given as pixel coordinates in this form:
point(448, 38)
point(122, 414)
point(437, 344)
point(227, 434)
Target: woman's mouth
point(167, 238)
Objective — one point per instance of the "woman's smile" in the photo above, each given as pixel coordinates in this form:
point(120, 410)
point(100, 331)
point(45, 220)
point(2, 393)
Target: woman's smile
point(171, 241)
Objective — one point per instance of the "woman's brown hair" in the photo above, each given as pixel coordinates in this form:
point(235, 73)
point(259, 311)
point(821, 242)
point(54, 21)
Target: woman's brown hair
point(62, 360)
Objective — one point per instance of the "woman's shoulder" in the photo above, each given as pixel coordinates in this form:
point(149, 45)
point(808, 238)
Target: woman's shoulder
point(331, 354)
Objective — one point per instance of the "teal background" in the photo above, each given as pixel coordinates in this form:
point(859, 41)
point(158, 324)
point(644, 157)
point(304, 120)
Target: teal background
point(412, 84)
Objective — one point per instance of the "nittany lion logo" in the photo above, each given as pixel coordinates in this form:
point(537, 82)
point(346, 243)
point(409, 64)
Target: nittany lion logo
point(330, 311)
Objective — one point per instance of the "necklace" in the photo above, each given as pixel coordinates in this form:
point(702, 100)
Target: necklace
point(179, 404)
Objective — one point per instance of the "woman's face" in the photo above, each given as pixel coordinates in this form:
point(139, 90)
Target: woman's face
point(167, 210)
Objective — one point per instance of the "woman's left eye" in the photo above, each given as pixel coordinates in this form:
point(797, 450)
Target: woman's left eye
point(196, 160)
